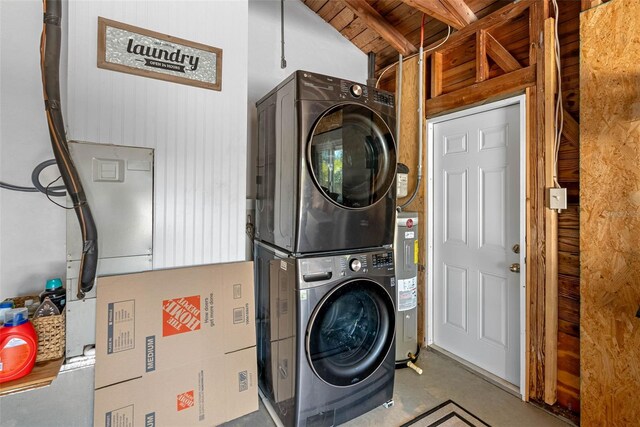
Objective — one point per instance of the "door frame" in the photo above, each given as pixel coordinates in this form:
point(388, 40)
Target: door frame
point(519, 100)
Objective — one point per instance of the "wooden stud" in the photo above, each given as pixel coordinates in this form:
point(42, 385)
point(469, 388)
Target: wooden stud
point(381, 26)
point(536, 207)
point(494, 89)
point(500, 55)
point(407, 154)
point(482, 63)
point(551, 220)
point(436, 74)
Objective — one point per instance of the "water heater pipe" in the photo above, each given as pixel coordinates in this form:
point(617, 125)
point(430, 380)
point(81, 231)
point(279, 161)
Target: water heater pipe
point(50, 68)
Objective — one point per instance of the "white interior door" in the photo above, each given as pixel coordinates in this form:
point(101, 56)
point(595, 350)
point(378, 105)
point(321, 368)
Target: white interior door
point(476, 223)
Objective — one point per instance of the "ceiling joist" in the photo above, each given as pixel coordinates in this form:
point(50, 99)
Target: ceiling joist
point(455, 13)
point(460, 10)
point(377, 23)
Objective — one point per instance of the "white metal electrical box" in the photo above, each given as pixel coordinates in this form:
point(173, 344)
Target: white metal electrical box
point(118, 182)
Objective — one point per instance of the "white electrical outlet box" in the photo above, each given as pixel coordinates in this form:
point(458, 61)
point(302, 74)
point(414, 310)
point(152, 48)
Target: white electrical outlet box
point(403, 185)
point(557, 198)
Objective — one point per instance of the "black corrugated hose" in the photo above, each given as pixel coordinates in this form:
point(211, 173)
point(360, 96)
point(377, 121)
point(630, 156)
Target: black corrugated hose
point(50, 67)
point(35, 180)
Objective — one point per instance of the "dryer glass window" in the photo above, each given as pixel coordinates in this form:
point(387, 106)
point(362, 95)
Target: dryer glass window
point(352, 156)
point(351, 333)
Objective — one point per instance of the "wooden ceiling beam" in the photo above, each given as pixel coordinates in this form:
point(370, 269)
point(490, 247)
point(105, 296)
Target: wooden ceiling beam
point(377, 23)
point(437, 10)
point(460, 10)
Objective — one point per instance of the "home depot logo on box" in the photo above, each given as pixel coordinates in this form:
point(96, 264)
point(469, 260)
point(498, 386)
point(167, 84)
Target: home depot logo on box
point(180, 315)
point(185, 400)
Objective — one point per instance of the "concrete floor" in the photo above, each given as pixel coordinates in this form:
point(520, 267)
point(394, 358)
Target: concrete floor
point(442, 379)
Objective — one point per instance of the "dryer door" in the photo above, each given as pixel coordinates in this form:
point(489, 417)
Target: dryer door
point(350, 332)
point(352, 156)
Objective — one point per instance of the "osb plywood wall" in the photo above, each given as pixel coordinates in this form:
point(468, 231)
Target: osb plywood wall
point(568, 384)
point(610, 213)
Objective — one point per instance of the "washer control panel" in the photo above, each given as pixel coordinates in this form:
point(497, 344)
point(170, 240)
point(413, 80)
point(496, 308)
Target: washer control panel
point(355, 264)
point(383, 98)
point(356, 90)
point(317, 271)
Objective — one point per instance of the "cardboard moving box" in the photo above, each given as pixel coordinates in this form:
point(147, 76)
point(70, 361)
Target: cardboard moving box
point(183, 336)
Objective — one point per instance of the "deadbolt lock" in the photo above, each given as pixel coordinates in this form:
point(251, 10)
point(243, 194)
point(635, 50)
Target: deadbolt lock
point(515, 267)
point(516, 248)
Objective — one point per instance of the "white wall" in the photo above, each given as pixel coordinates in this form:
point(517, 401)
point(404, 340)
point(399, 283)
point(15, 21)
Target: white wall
point(32, 229)
point(310, 44)
point(199, 135)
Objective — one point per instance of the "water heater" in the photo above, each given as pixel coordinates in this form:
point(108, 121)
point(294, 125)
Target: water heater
point(406, 259)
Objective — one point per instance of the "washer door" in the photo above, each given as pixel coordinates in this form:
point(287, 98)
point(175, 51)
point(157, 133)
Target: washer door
point(352, 156)
point(350, 332)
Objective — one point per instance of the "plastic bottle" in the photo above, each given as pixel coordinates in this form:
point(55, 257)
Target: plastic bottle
point(56, 293)
point(18, 345)
point(4, 307)
point(31, 307)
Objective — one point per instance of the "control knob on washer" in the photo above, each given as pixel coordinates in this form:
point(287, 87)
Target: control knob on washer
point(356, 90)
point(355, 265)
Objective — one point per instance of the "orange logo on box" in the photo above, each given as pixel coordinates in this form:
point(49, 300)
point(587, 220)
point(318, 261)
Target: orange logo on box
point(186, 400)
point(180, 315)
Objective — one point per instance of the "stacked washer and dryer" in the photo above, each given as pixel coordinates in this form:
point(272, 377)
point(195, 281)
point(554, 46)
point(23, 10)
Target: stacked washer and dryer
point(325, 282)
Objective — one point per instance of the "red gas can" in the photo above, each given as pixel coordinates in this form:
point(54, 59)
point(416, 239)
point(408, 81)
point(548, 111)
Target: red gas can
point(18, 345)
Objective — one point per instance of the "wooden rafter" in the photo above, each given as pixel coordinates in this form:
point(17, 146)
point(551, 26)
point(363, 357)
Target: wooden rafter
point(460, 10)
point(487, 23)
point(377, 23)
point(437, 10)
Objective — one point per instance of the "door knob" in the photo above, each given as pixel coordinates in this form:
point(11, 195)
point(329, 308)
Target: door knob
point(515, 267)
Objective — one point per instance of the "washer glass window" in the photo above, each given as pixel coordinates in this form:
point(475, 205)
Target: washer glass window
point(351, 332)
point(352, 156)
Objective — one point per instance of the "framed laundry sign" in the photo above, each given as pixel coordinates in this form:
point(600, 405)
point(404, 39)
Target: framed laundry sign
point(134, 50)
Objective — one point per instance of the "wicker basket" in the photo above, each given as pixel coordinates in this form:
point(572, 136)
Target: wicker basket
point(51, 332)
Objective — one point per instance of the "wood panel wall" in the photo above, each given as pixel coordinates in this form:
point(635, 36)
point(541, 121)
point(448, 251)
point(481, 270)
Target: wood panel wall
point(610, 214)
point(568, 354)
point(461, 87)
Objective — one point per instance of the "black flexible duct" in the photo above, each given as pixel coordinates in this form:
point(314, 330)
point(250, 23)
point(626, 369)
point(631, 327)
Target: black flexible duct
point(35, 179)
point(37, 186)
point(50, 64)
